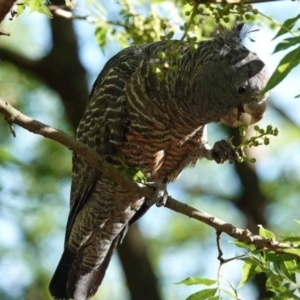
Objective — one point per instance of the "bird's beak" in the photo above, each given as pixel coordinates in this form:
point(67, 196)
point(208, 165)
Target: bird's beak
point(249, 114)
point(256, 110)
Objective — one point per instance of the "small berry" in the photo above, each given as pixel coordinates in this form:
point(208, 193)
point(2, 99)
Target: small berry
point(266, 141)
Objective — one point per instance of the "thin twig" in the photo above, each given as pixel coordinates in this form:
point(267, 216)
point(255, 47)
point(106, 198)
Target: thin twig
point(61, 11)
point(220, 252)
point(12, 130)
point(2, 32)
point(191, 20)
point(279, 24)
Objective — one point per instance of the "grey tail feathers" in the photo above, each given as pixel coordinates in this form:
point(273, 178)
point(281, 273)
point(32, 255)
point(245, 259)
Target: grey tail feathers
point(59, 280)
point(66, 282)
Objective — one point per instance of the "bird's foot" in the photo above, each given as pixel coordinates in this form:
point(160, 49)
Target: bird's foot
point(222, 151)
point(160, 196)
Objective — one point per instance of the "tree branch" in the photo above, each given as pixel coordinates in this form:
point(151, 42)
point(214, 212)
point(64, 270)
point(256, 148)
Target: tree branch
point(70, 82)
point(12, 115)
point(64, 12)
point(19, 60)
point(5, 8)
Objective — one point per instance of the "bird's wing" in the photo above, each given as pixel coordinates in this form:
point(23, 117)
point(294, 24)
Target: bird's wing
point(103, 124)
point(102, 129)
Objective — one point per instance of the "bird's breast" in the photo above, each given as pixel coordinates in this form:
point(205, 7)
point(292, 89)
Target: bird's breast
point(162, 159)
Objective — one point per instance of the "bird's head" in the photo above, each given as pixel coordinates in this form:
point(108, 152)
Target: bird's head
point(249, 78)
point(233, 78)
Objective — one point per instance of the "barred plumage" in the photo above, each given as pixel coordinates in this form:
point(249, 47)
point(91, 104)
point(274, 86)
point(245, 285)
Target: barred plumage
point(158, 127)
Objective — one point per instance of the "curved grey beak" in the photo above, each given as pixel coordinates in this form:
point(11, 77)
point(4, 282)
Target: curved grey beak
point(256, 110)
point(252, 113)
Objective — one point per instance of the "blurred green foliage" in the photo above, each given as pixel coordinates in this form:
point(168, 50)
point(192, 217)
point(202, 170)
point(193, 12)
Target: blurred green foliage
point(35, 173)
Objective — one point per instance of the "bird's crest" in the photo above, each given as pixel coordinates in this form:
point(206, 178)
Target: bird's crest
point(235, 34)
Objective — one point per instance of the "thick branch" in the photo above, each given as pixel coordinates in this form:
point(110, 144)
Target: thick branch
point(5, 7)
point(137, 269)
point(14, 116)
point(19, 60)
point(61, 83)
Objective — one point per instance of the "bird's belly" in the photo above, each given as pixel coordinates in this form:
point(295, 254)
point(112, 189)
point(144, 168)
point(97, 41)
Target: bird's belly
point(175, 159)
point(157, 160)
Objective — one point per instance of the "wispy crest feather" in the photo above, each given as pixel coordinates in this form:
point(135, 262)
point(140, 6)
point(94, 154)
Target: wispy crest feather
point(235, 34)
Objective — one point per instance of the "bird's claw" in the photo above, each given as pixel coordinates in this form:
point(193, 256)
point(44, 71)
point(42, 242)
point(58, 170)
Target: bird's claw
point(160, 196)
point(222, 151)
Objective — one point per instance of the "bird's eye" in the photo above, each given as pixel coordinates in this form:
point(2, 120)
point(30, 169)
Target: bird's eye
point(241, 90)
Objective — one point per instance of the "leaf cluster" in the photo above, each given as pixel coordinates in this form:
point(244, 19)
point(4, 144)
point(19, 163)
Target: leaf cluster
point(280, 268)
point(34, 5)
point(196, 16)
point(134, 27)
point(292, 58)
point(213, 293)
point(260, 138)
point(138, 28)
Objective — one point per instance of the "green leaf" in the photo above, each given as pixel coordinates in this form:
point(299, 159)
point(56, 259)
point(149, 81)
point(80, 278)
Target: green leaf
point(256, 256)
point(292, 239)
point(274, 282)
point(136, 175)
point(244, 245)
point(274, 268)
point(232, 296)
point(284, 290)
point(247, 273)
point(287, 269)
point(43, 9)
point(197, 280)
point(203, 295)
point(290, 61)
point(287, 43)
point(296, 269)
point(34, 5)
point(292, 251)
point(7, 157)
point(101, 34)
point(260, 269)
point(20, 9)
point(287, 26)
point(298, 96)
point(266, 233)
point(69, 4)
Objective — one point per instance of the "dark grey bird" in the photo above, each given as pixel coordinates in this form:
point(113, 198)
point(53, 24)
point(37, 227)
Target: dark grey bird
point(154, 126)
